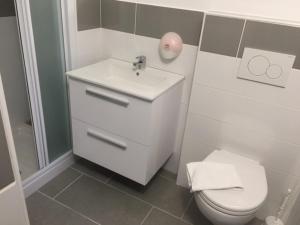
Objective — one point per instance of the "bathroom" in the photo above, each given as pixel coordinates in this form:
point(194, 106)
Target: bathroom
point(203, 102)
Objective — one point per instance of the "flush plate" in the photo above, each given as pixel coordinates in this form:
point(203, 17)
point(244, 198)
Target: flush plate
point(266, 67)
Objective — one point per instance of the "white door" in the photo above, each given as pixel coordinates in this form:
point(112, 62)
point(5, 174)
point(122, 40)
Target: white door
point(12, 202)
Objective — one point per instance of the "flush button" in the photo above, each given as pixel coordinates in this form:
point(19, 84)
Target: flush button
point(258, 65)
point(266, 67)
point(274, 71)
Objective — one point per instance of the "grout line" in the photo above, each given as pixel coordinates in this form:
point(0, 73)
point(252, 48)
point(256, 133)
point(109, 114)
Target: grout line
point(236, 94)
point(83, 173)
point(93, 177)
point(267, 166)
point(187, 207)
point(76, 170)
point(166, 212)
point(155, 67)
point(241, 39)
point(137, 198)
point(147, 216)
point(153, 206)
point(67, 207)
point(136, 44)
point(201, 34)
point(135, 16)
point(66, 187)
point(101, 14)
point(119, 190)
point(247, 130)
point(130, 195)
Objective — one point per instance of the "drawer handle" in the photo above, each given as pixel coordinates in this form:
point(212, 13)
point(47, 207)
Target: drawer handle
point(114, 99)
point(107, 139)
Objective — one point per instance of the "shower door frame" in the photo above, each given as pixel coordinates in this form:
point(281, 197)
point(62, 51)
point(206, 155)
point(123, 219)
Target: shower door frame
point(32, 78)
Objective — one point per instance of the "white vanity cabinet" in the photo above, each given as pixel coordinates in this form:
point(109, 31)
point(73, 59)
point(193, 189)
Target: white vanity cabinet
point(129, 135)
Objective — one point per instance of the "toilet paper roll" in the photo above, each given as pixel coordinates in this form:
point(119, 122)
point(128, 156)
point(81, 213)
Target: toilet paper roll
point(170, 45)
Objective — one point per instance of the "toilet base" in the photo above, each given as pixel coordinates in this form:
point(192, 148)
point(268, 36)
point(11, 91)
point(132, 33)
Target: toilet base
point(220, 218)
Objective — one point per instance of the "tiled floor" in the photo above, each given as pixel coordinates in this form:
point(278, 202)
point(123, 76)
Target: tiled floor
point(86, 194)
point(25, 149)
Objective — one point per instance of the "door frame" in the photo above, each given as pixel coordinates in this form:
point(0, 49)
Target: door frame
point(12, 194)
point(32, 77)
point(69, 22)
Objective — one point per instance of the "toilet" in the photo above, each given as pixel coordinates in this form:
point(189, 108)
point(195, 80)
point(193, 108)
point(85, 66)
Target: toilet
point(234, 206)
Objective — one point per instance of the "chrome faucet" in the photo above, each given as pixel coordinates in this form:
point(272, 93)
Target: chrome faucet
point(140, 64)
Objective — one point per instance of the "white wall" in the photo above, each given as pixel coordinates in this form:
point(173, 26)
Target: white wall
point(251, 125)
point(258, 121)
point(275, 9)
point(127, 46)
point(93, 45)
point(199, 5)
point(89, 47)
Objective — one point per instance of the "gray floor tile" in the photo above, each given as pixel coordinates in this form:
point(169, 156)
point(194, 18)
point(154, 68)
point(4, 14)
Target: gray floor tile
point(256, 222)
point(158, 217)
point(160, 192)
point(60, 182)
point(194, 216)
point(103, 204)
point(92, 169)
point(167, 174)
point(44, 211)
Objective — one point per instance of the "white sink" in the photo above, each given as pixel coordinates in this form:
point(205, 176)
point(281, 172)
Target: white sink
point(119, 75)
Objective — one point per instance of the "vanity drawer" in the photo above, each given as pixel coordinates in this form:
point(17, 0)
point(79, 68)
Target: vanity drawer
point(117, 113)
point(110, 151)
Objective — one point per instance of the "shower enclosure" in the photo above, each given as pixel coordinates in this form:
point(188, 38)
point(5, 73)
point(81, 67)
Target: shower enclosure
point(15, 88)
point(32, 66)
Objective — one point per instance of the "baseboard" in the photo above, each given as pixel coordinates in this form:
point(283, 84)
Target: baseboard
point(37, 180)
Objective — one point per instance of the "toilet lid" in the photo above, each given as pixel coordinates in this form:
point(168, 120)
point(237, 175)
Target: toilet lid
point(254, 180)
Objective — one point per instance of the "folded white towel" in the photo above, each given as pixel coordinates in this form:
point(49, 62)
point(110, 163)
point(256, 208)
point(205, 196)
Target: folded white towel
point(212, 176)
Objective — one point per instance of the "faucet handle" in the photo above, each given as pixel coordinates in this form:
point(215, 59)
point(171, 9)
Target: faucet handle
point(141, 58)
point(141, 62)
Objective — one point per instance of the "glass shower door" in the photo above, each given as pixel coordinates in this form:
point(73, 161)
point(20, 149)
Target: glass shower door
point(48, 37)
point(15, 88)
point(12, 202)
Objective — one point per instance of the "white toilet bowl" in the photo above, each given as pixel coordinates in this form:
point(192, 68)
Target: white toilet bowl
point(234, 206)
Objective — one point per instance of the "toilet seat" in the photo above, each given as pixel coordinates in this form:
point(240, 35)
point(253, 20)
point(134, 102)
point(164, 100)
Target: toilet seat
point(238, 202)
point(220, 218)
point(202, 197)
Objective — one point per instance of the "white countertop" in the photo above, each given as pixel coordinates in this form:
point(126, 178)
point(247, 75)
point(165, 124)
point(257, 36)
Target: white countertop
point(119, 76)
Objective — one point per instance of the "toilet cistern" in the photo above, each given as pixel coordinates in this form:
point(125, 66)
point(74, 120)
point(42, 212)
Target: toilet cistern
point(140, 63)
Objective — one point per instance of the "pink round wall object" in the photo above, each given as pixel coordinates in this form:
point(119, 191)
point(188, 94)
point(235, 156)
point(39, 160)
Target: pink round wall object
point(170, 45)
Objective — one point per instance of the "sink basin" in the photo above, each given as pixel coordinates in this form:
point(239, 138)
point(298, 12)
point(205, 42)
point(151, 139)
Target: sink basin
point(119, 75)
